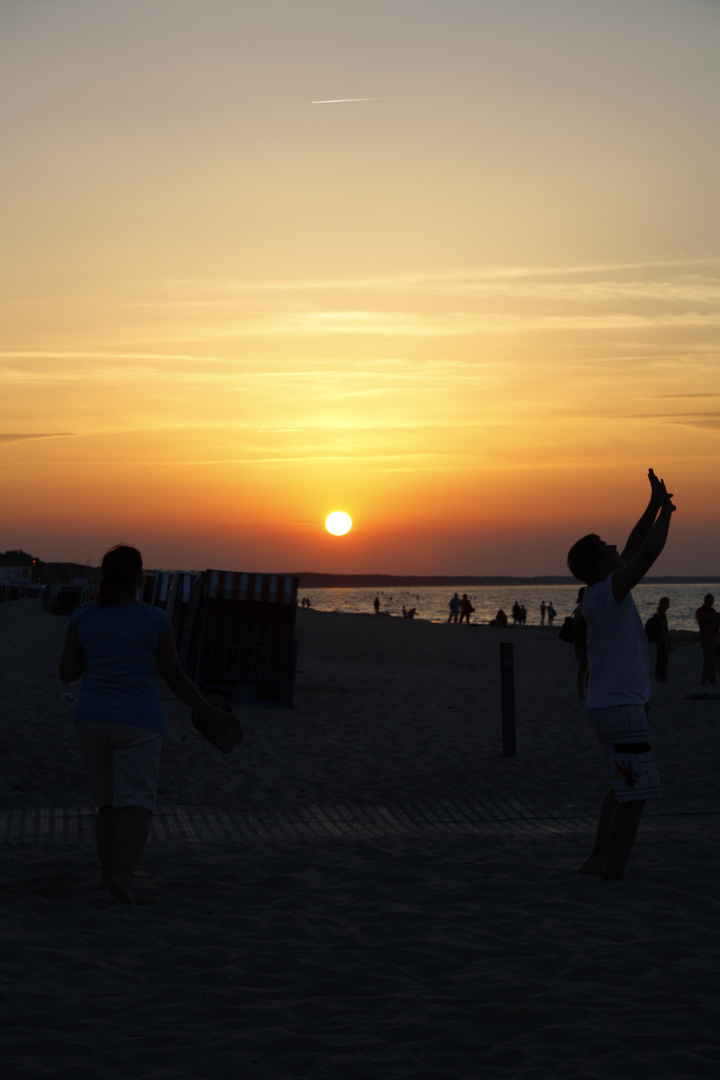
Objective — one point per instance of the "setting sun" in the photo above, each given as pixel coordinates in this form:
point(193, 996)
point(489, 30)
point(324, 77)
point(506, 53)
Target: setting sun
point(237, 289)
point(338, 523)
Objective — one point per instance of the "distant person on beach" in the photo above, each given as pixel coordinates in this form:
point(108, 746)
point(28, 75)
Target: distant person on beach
point(580, 644)
point(542, 613)
point(409, 613)
point(709, 623)
point(466, 609)
point(500, 619)
point(516, 614)
point(376, 605)
point(454, 608)
point(523, 615)
point(551, 613)
point(118, 645)
point(662, 640)
point(619, 681)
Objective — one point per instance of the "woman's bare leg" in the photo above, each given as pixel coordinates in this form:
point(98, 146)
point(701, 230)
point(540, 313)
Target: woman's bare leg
point(132, 833)
point(106, 840)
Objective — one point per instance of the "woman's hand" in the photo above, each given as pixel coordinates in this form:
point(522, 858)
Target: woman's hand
point(219, 725)
point(224, 720)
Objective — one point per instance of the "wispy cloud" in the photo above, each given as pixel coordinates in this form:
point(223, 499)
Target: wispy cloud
point(501, 301)
point(42, 365)
point(391, 324)
point(78, 354)
point(707, 421)
point(404, 324)
point(442, 280)
point(673, 397)
point(344, 100)
point(12, 437)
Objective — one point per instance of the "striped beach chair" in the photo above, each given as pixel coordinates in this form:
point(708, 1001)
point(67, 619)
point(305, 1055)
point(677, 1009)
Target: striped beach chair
point(161, 588)
point(64, 599)
point(148, 591)
point(180, 590)
point(240, 640)
point(183, 596)
point(87, 594)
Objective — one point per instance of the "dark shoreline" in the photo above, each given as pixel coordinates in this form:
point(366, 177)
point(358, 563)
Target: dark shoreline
point(379, 581)
point(420, 620)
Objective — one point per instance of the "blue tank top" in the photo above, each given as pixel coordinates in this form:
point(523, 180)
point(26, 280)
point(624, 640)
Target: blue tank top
point(120, 681)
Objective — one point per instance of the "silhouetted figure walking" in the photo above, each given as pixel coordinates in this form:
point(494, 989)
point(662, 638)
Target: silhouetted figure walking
point(118, 645)
point(662, 642)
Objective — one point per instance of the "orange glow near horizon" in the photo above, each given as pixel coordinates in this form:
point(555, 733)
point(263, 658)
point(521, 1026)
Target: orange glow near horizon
point(473, 308)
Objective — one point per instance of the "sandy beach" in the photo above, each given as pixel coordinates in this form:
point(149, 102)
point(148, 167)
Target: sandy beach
point(366, 887)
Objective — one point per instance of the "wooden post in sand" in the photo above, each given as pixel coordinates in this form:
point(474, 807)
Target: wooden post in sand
point(507, 688)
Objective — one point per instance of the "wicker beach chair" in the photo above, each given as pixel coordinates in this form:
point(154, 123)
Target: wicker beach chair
point(161, 588)
point(149, 586)
point(182, 604)
point(239, 638)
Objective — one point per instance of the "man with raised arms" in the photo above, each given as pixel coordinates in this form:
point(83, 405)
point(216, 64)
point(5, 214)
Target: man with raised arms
point(619, 677)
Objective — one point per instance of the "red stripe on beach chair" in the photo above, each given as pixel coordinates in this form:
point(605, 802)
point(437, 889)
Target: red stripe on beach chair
point(262, 588)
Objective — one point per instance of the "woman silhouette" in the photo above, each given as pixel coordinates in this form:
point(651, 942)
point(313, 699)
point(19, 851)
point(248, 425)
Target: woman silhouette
point(119, 645)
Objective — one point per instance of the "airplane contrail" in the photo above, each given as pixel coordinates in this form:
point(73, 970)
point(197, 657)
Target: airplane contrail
point(337, 101)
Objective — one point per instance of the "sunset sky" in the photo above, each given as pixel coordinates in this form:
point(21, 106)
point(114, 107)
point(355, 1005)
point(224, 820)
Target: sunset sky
point(470, 309)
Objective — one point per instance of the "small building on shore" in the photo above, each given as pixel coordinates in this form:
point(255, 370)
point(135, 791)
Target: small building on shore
point(21, 574)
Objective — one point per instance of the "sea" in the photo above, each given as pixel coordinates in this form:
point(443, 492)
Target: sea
point(431, 602)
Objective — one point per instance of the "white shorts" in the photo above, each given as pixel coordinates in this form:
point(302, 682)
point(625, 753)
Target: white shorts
point(625, 738)
point(122, 763)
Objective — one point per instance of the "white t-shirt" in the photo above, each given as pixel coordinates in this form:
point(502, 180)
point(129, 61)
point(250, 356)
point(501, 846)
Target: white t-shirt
point(618, 664)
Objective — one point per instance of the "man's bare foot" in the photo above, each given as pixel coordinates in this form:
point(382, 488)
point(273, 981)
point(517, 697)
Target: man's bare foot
point(593, 865)
point(124, 895)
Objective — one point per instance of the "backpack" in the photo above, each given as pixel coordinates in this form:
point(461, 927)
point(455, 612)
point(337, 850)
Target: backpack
point(652, 631)
point(567, 630)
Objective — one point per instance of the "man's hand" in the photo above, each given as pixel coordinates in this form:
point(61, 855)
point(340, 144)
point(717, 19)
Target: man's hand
point(646, 541)
point(659, 493)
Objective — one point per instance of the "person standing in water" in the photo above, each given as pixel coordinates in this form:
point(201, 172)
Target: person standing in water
point(709, 622)
point(662, 643)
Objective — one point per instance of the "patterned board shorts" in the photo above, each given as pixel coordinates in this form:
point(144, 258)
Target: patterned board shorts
point(625, 738)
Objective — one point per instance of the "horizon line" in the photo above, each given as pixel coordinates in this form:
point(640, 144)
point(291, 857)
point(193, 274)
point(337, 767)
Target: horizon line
point(397, 578)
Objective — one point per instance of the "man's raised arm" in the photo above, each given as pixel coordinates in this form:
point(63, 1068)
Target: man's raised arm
point(654, 537)
point(642, 528)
